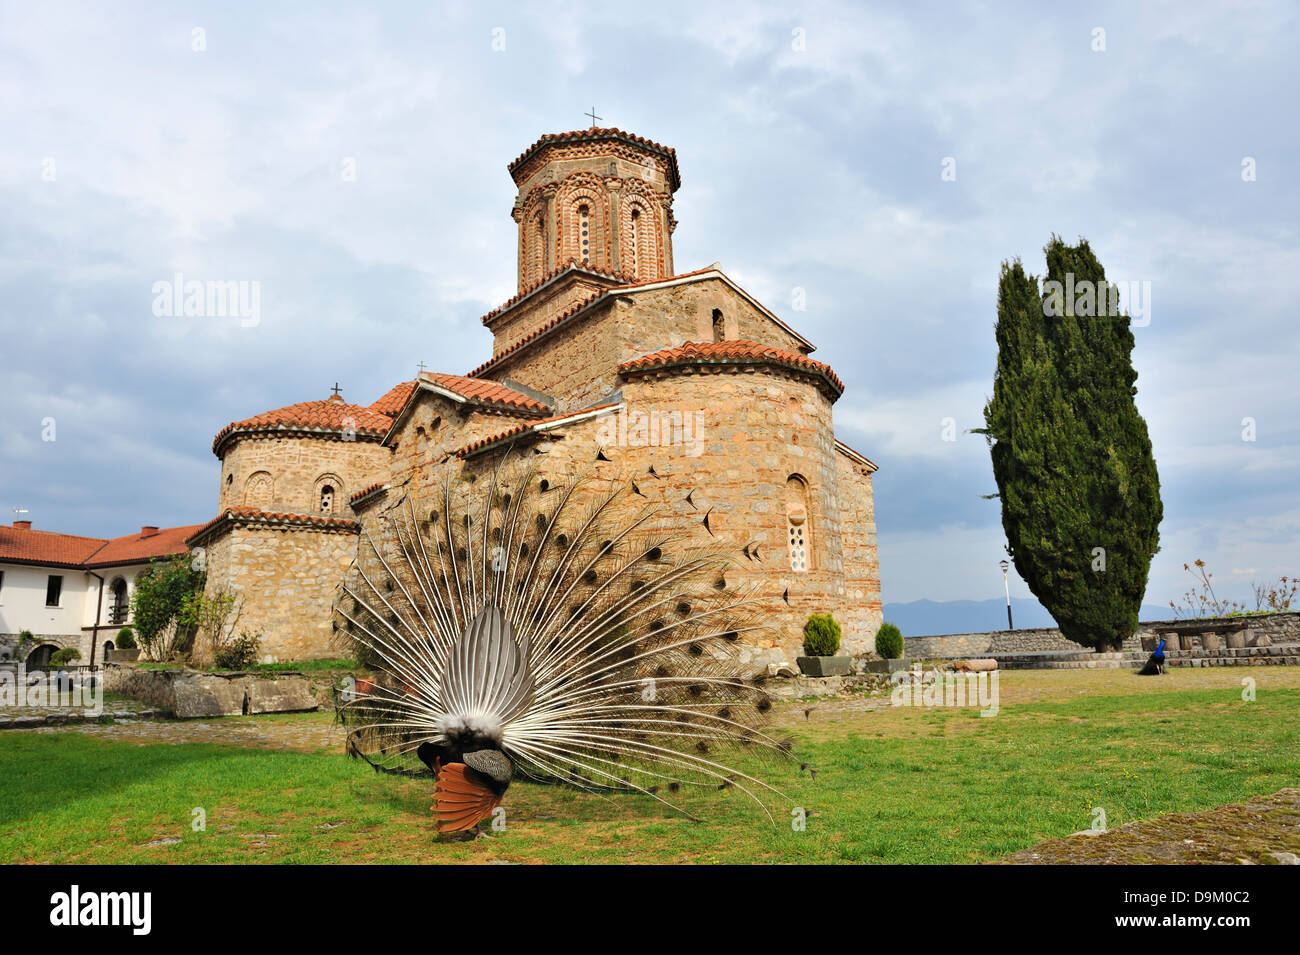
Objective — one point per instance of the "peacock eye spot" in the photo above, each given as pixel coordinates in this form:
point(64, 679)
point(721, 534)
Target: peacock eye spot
point(561, 540)
point(720, 584)
point(656, 625)
point(654, 554)
point(731, 635)
point(683, 608)
point(696, 650)
point(544, 484)
point(589, 577)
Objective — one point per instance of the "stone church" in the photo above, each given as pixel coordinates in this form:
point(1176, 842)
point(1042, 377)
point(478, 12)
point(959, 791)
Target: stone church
point(605, 353)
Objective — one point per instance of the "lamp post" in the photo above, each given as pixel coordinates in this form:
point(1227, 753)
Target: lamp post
point(1007, 587)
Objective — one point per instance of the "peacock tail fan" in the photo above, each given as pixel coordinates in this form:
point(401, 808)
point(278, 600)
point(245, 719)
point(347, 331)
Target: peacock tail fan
point(590, 637)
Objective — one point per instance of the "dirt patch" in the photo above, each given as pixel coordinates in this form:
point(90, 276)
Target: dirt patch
point(1263, 831)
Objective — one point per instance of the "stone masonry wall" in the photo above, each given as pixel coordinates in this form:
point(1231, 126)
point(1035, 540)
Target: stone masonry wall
point(862, 615)
point(297, 466)
point(1280, 628)
point(288, 579)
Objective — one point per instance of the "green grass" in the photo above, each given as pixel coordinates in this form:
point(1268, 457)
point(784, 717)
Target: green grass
point(893, 785)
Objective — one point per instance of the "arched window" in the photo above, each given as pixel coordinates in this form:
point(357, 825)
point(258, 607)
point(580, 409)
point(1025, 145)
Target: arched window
point(539, 247)
point(719, 326)
point(330, 493)
point(118, 608)
point(634, 242)
point(259, 490)
point(798, 523)
point(584, 236)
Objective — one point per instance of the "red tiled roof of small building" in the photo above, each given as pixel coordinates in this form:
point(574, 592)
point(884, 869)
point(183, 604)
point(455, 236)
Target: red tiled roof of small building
point(331, 416)
point(26, 546)
point(393, 399)
point(141, 547)
point(731, 353)
point(596, 134)
point(484, 391)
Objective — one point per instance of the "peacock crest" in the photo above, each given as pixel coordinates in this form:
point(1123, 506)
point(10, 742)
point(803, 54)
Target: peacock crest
point(566, 630)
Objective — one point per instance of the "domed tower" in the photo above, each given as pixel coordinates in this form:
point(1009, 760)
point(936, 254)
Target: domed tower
point(598, 197)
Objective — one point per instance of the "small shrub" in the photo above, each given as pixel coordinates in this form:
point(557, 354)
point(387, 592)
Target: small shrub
point(237, 653)
point(821, 636)
point(65, 656)
point(125, 639)
point(889, 641)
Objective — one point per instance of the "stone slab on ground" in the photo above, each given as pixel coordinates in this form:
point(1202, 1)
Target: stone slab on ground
point(1263, 831)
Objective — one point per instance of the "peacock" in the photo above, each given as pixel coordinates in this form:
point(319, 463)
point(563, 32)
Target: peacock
point(567, 630)
point(1155, 664)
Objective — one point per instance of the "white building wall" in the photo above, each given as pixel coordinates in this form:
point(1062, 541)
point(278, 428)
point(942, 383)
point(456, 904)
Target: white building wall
point(22, 601)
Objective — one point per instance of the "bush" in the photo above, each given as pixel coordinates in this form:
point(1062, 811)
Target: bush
point(889, 641)
point(821, 636)
point(237, 653)
point(65, 656)
point(125, 639)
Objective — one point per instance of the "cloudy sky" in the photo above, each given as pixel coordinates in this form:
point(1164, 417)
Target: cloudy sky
point(219, 140)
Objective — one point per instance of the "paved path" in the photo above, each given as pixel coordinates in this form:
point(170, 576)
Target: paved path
point(311, 733)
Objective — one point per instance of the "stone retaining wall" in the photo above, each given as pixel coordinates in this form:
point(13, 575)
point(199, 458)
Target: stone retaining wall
point(1278, 627)
point(191, 693)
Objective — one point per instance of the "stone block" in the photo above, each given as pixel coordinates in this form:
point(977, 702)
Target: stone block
point(286, 695)
point(826, 666)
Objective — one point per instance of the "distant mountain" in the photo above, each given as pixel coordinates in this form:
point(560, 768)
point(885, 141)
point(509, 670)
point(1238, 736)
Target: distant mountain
point(927, 617)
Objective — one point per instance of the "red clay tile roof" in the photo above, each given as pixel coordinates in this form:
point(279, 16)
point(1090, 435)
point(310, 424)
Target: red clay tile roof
point(366, 492)
point(731, 353)
point(137, 549)
point(572, 264)
point(595, 134)
point(332, 416)
point(21, 546)
point(535, 427)
point(252, 515)
point(483, 391)
point(394, 399)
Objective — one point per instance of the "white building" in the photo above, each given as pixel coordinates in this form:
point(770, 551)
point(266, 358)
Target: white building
point(71, 591)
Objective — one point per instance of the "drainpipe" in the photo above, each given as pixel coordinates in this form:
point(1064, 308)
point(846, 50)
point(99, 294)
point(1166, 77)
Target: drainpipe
point(99, 606)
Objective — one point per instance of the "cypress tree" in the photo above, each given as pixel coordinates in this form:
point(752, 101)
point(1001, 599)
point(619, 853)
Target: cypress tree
point(1071, 455)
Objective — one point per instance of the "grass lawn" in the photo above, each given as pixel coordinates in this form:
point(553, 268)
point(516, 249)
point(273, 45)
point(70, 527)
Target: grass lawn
point(893, 784)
